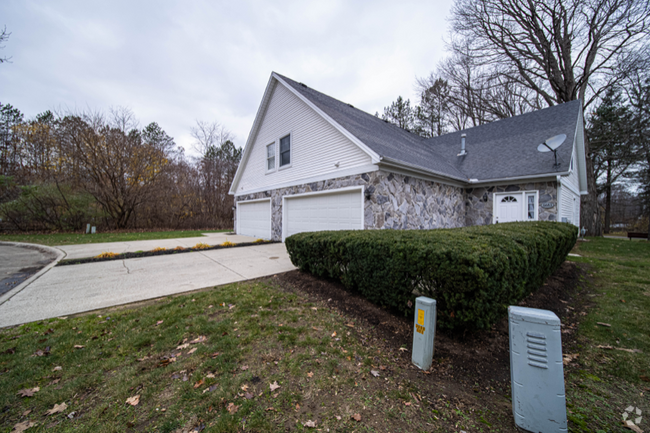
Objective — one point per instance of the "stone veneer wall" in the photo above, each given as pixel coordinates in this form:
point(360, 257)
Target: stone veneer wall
point(395, 201)
point(479, 201)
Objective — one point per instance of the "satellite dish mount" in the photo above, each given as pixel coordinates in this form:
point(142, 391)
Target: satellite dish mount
point(551, 145)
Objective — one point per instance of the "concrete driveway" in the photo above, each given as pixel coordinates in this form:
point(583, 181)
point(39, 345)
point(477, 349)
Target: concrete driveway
point(66, 290)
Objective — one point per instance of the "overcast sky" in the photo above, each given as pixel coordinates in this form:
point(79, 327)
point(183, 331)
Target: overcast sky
point(176, 62)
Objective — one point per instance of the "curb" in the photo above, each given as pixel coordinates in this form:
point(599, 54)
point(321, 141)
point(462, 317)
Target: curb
point(60, 254)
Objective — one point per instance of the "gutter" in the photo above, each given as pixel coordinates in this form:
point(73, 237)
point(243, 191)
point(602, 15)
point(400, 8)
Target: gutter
point(418, 169)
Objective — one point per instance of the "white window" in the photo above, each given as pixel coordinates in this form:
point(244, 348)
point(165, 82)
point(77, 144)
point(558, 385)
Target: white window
point(531, 208)
point(285, 151)
point(270, 157)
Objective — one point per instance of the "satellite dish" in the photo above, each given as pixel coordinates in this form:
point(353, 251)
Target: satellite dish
point(551, 145)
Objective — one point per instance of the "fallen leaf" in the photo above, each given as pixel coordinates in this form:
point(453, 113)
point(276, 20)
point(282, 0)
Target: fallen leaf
point(274, 386)
point(382, 367)
point(183, 346)
point(57, 408)
point(57, 368)
point(10, 351)
point(233, 408)
point(199, 339)
point(28, 392)
point(314, 308)
point(191, 351)
point(210, 376)
point(566, 359)
point(644, 378)
point(269, 408)
point(275, 395)
point(133, 401)
point(244, 387)
point(374, 373)
point(338, 417)
point(356, 417)
point(78, 346)
point(310, 374)
point(199, 383)
point(633, 427)
point(334, 334)
point(244, 367)
point(309, 423)
point(407, 403)
point(159, 322)
point(27, 412)
point(21, 427)
point(603, 324)
point(230, 306)
point(403, 349)
point(350, 325)
point(248, 396)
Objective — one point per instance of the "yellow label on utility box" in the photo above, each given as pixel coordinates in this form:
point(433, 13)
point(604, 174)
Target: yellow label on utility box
point(420, 317)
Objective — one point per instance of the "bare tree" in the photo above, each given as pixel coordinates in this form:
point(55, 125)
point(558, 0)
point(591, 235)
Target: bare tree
point(4, 36)
point(561, 49)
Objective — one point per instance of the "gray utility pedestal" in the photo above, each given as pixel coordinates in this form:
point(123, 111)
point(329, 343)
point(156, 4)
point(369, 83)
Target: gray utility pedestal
point(424, 332)
point(536, 370)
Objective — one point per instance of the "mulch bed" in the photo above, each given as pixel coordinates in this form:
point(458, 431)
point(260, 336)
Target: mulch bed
point(156, 253)
point(472, 368)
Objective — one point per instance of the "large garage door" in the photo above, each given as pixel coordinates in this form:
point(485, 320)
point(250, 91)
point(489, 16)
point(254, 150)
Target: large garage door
point(254, 219)
point(323, 211)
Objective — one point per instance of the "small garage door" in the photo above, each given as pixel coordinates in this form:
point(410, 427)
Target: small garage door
point(254, 218)
point(323, 211)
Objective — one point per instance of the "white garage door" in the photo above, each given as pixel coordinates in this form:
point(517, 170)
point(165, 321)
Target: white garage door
point(254, 218)
point(323, 211)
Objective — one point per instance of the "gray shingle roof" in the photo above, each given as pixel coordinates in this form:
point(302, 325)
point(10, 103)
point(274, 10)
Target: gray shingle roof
point(497, 150)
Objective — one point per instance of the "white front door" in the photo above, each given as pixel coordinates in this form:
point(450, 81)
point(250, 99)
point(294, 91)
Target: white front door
point(509, 208)
point(254, 218)
point(314, 212)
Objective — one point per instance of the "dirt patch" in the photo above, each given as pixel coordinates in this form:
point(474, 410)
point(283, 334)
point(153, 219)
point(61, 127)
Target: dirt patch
point(470, 370)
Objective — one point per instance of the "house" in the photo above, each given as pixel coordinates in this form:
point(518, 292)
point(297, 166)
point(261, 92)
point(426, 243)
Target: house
point(312, 163)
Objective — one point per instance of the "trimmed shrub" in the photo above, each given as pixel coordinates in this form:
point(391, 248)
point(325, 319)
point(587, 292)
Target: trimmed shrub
point(473, 273)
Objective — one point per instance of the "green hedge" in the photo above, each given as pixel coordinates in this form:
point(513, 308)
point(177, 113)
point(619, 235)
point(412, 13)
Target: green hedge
point(473, 273)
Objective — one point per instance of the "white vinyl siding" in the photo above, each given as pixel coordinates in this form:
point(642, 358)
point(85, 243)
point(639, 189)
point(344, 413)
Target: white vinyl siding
point(569, 207)
point(572, 179)
point(312, 212)
point(316, 146)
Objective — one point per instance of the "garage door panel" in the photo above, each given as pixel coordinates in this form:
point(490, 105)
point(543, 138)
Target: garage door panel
point(254, 219)
point(332, 211)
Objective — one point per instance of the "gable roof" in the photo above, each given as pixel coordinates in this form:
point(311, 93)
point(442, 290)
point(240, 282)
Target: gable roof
point(500, 150)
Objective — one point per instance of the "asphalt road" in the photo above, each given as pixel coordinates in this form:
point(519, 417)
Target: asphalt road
point(18, 263)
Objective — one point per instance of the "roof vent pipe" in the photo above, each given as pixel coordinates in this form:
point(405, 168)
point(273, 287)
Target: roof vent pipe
point(463, 152)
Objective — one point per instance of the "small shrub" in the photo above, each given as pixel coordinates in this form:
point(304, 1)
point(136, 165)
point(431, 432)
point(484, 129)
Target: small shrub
point(259, 241)
point(179, 248)
point(227, 244)
point(106, 255)
point(201, 246)
point(157, 249)
point(473, 273)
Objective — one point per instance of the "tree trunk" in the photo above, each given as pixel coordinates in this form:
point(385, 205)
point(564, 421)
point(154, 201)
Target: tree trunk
point(608, 202)
point(590, 210)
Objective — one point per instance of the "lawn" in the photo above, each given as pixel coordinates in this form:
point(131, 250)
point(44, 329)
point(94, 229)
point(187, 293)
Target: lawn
point(81, 238)
point(613, 368)
point(259, 356)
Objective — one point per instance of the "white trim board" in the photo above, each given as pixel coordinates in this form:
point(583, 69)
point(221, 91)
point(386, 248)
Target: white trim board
point(360, 169)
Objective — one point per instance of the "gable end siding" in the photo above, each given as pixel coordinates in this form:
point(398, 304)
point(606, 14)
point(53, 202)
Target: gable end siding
point(316, 146)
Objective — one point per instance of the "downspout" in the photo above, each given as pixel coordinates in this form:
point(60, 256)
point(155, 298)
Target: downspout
point(559, 198)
